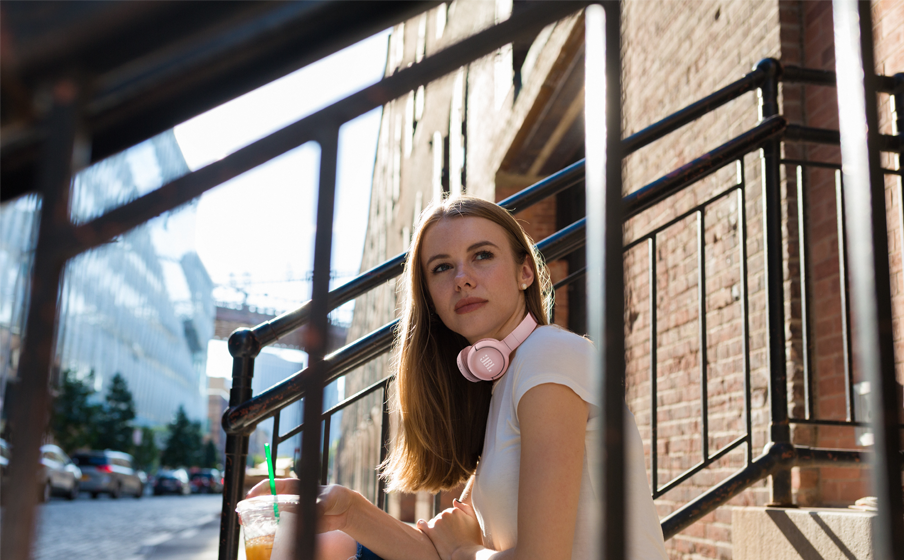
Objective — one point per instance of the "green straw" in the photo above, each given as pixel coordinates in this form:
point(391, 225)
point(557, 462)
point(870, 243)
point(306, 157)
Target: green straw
point(272, 481)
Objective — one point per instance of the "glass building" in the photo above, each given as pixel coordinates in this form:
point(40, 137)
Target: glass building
point(141, 305)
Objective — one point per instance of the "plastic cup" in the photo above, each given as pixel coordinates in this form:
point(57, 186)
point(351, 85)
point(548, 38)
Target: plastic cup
point(259, 522)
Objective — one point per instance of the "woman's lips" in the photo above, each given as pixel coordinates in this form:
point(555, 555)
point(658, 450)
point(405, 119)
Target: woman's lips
point(469, 306)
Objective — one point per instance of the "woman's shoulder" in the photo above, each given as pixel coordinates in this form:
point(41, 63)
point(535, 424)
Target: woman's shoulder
point(551, 344)
point(556, 338)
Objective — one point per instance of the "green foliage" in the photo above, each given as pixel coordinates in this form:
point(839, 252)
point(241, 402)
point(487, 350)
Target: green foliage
point(211, 456)
point(74, 416)
point(183, 446)
point(146, 453)
point(114, 428)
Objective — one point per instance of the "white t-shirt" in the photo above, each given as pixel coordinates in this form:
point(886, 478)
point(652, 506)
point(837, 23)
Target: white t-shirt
point(554, 355)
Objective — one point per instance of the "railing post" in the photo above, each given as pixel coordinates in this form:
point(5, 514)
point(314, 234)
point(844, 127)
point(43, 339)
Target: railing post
point(605, 259)
point(779, 428)
point(867, 240)
point(244, 347)
point(316, 339)
point(29, 411)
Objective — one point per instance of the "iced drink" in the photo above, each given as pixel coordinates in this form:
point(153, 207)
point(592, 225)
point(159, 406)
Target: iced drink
point(259, 522)
point(259, 548)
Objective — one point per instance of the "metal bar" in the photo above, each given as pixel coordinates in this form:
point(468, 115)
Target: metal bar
point(696, 509)
point(275, 440)
point(523, 24)
point(315, 343)
point(800, 133)
point(659, 190)
point(681, 217)
point(868, 253)
point(701, 322)
point(885, 84)
point(808, 163)
point(605, 281)
point(807, 343)
point(745, 305)
point(437, 503)
point(384, 449)
point(700, 466)
point(29, 411)
point(245, 415)
point(570, 279)
point(774, 270)
point(819, 422)
point(845, 292)
point(693, 111)
point(236, 453)
point(325, 453)
point(654, 399)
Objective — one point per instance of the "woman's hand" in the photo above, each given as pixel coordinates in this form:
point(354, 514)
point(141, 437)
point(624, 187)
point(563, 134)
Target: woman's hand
point(454, 532)
point(333, 504)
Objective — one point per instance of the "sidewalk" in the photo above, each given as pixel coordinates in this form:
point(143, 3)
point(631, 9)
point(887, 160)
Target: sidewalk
point(199, 543)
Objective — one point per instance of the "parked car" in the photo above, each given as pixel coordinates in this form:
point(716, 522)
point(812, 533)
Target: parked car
point(206, 481)
point(59, 476)
point(172, 482)
point(109, 472)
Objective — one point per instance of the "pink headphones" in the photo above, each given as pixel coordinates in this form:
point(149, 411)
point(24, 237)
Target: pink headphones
point(488, 359)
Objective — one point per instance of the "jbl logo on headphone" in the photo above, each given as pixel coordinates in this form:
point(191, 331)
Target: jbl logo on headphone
point(487, 363)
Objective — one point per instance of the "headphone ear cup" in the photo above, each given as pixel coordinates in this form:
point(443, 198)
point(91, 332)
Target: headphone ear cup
point(462, 361)
point(487, 360)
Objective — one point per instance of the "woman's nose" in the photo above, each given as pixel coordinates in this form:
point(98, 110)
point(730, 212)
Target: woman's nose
point(463, 278)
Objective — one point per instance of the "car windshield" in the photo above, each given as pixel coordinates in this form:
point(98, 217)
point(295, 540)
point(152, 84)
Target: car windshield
point(89, 460)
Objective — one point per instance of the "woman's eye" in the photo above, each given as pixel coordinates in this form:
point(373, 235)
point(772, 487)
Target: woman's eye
point(441, 268)
point(483, 255)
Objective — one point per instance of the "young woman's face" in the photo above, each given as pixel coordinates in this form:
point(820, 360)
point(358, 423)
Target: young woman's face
point(473, 278)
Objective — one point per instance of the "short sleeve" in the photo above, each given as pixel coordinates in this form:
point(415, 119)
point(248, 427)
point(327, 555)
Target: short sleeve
point(555, 356)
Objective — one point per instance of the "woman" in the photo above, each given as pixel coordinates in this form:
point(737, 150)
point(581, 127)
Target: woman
point(523, 439)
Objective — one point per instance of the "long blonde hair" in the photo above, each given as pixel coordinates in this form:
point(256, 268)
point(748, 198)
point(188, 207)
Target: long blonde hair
point(442, 415)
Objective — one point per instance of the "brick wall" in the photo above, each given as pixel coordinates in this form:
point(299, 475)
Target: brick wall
point(675, 54)
point(836, 485)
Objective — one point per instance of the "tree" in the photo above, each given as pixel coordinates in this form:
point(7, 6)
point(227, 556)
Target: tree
point(115, 425)
point(147, 454)
point(211, 459)
point(183, 446)
point(74, 416)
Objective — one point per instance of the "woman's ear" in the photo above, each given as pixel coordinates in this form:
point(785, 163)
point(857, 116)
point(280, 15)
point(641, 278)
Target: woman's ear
point(526, 273)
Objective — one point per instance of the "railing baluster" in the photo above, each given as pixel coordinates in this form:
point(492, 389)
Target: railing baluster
point(325, 454)
point(275, 440)
point(384, 447)
point(701, 295)
point(316, 341)
point(804, 265)
point(654, 400)
point(867, 244)
point(745, 305)
point(845, 293)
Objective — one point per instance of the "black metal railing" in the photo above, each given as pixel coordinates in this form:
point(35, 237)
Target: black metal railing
point(781, 454)
point(59, 240)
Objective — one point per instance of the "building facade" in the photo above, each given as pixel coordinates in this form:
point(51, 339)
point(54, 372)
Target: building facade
point(141, 306)
point(512, 118)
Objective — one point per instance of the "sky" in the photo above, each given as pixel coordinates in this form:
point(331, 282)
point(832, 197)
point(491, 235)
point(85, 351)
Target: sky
point(255, 233)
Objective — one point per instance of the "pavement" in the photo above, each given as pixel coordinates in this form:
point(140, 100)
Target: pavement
point(152, 528)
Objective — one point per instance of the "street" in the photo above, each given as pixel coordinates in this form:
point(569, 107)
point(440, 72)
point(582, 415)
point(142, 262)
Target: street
point(123, 529)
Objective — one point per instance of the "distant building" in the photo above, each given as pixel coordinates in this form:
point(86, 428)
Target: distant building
point(141, 305)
